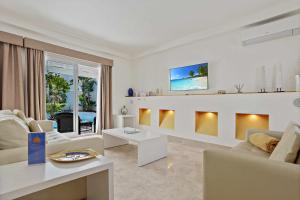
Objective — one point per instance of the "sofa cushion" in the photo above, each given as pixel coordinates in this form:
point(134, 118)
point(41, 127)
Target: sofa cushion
point(263, 141)
point(46, 125)
point(54, 137)
point(94, 142)
point(20, 114)
point(289, 145)
point(33, 125)
point(12, 134)
point(17, 119)
point(6, 112)
point(248, 148)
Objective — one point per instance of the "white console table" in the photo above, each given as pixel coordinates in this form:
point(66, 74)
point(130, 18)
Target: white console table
point(18, 180)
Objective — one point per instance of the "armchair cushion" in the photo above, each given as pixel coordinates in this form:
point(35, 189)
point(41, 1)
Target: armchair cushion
point(275, 134)
point(263, 141)
point(289, 145)
point(246, 147)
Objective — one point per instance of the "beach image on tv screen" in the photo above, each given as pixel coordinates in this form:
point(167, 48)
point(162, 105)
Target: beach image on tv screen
point(192, 77)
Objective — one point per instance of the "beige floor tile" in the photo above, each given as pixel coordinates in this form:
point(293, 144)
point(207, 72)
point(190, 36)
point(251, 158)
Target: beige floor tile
point(177, 177)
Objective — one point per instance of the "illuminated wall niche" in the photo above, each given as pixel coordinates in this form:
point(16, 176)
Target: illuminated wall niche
point(145, 116)
point(167, 119)
point(206, 123)
point(250, 121)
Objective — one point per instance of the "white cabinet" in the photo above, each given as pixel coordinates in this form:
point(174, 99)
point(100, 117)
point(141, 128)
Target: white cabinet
point(121, 121)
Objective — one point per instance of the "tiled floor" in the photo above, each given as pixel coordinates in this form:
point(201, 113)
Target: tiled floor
point(177, 177)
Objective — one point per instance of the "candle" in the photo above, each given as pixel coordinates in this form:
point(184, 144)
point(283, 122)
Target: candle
point(278, 78)
point(297, 77)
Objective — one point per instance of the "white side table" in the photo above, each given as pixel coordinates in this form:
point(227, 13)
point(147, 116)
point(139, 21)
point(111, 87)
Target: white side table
point(19, 179)
point(122, 121)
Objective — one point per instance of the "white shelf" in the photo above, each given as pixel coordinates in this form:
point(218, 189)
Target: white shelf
point(279, 107)
point(126, 116)
point(215, 94)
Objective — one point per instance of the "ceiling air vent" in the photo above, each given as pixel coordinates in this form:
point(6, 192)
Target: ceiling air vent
point(271, 29)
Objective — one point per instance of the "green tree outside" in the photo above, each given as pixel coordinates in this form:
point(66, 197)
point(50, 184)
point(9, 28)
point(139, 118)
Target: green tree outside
point(85, 98)
point(57, 88)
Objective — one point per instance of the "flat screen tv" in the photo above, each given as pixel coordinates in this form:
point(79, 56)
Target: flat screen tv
point(191, 77)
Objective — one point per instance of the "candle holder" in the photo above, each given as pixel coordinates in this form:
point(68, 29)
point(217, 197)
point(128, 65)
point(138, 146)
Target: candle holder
point(262, 90)
point(279, 90)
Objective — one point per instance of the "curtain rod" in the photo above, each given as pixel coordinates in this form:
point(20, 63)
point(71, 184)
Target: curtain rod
point(11, 38)
point(36, 44)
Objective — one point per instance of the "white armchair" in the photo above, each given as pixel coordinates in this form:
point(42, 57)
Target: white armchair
point(235, 175)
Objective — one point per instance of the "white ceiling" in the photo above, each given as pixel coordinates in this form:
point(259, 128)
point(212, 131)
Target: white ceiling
point(132, 26)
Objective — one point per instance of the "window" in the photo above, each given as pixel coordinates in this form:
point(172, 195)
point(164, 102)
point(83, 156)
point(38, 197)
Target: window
point(72, 94)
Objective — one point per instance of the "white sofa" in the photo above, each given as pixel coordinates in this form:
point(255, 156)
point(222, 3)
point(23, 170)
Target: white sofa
point(55, 141)
point(246, 173)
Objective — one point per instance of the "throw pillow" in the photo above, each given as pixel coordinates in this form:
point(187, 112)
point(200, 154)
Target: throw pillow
point(20, 114)
point(33, 125)
point(12, 134)
point(263, 141)
point(289, 145)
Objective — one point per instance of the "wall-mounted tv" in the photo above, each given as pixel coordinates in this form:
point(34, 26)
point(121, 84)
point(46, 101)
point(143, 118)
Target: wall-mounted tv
point(191, 77)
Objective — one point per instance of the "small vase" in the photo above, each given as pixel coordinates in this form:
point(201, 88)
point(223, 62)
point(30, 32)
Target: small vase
point(124, 110)
point(130, 92)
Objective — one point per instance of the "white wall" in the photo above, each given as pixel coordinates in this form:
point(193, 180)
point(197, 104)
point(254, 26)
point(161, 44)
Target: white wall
point(229, 62)
point(121, 81)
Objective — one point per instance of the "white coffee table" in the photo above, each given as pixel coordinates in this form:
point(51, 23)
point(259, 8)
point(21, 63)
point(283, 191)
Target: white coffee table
point(151, 145)
point(19, 179)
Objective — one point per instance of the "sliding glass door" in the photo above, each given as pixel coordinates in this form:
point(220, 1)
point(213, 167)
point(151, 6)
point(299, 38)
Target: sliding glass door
point(71, 94)
point(87, 97)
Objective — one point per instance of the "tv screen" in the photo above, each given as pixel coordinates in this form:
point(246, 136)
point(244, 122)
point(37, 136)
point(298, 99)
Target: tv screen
point(191, 77)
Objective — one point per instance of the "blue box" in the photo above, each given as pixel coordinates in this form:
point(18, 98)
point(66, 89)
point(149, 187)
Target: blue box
point(36, 148)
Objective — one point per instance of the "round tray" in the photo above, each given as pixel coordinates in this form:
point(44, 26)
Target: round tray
point(73, 156)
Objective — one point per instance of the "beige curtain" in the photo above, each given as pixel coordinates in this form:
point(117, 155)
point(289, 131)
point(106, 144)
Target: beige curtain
point(105, 121)
point(22, 80)
point(35, 84)
point(12, 77)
